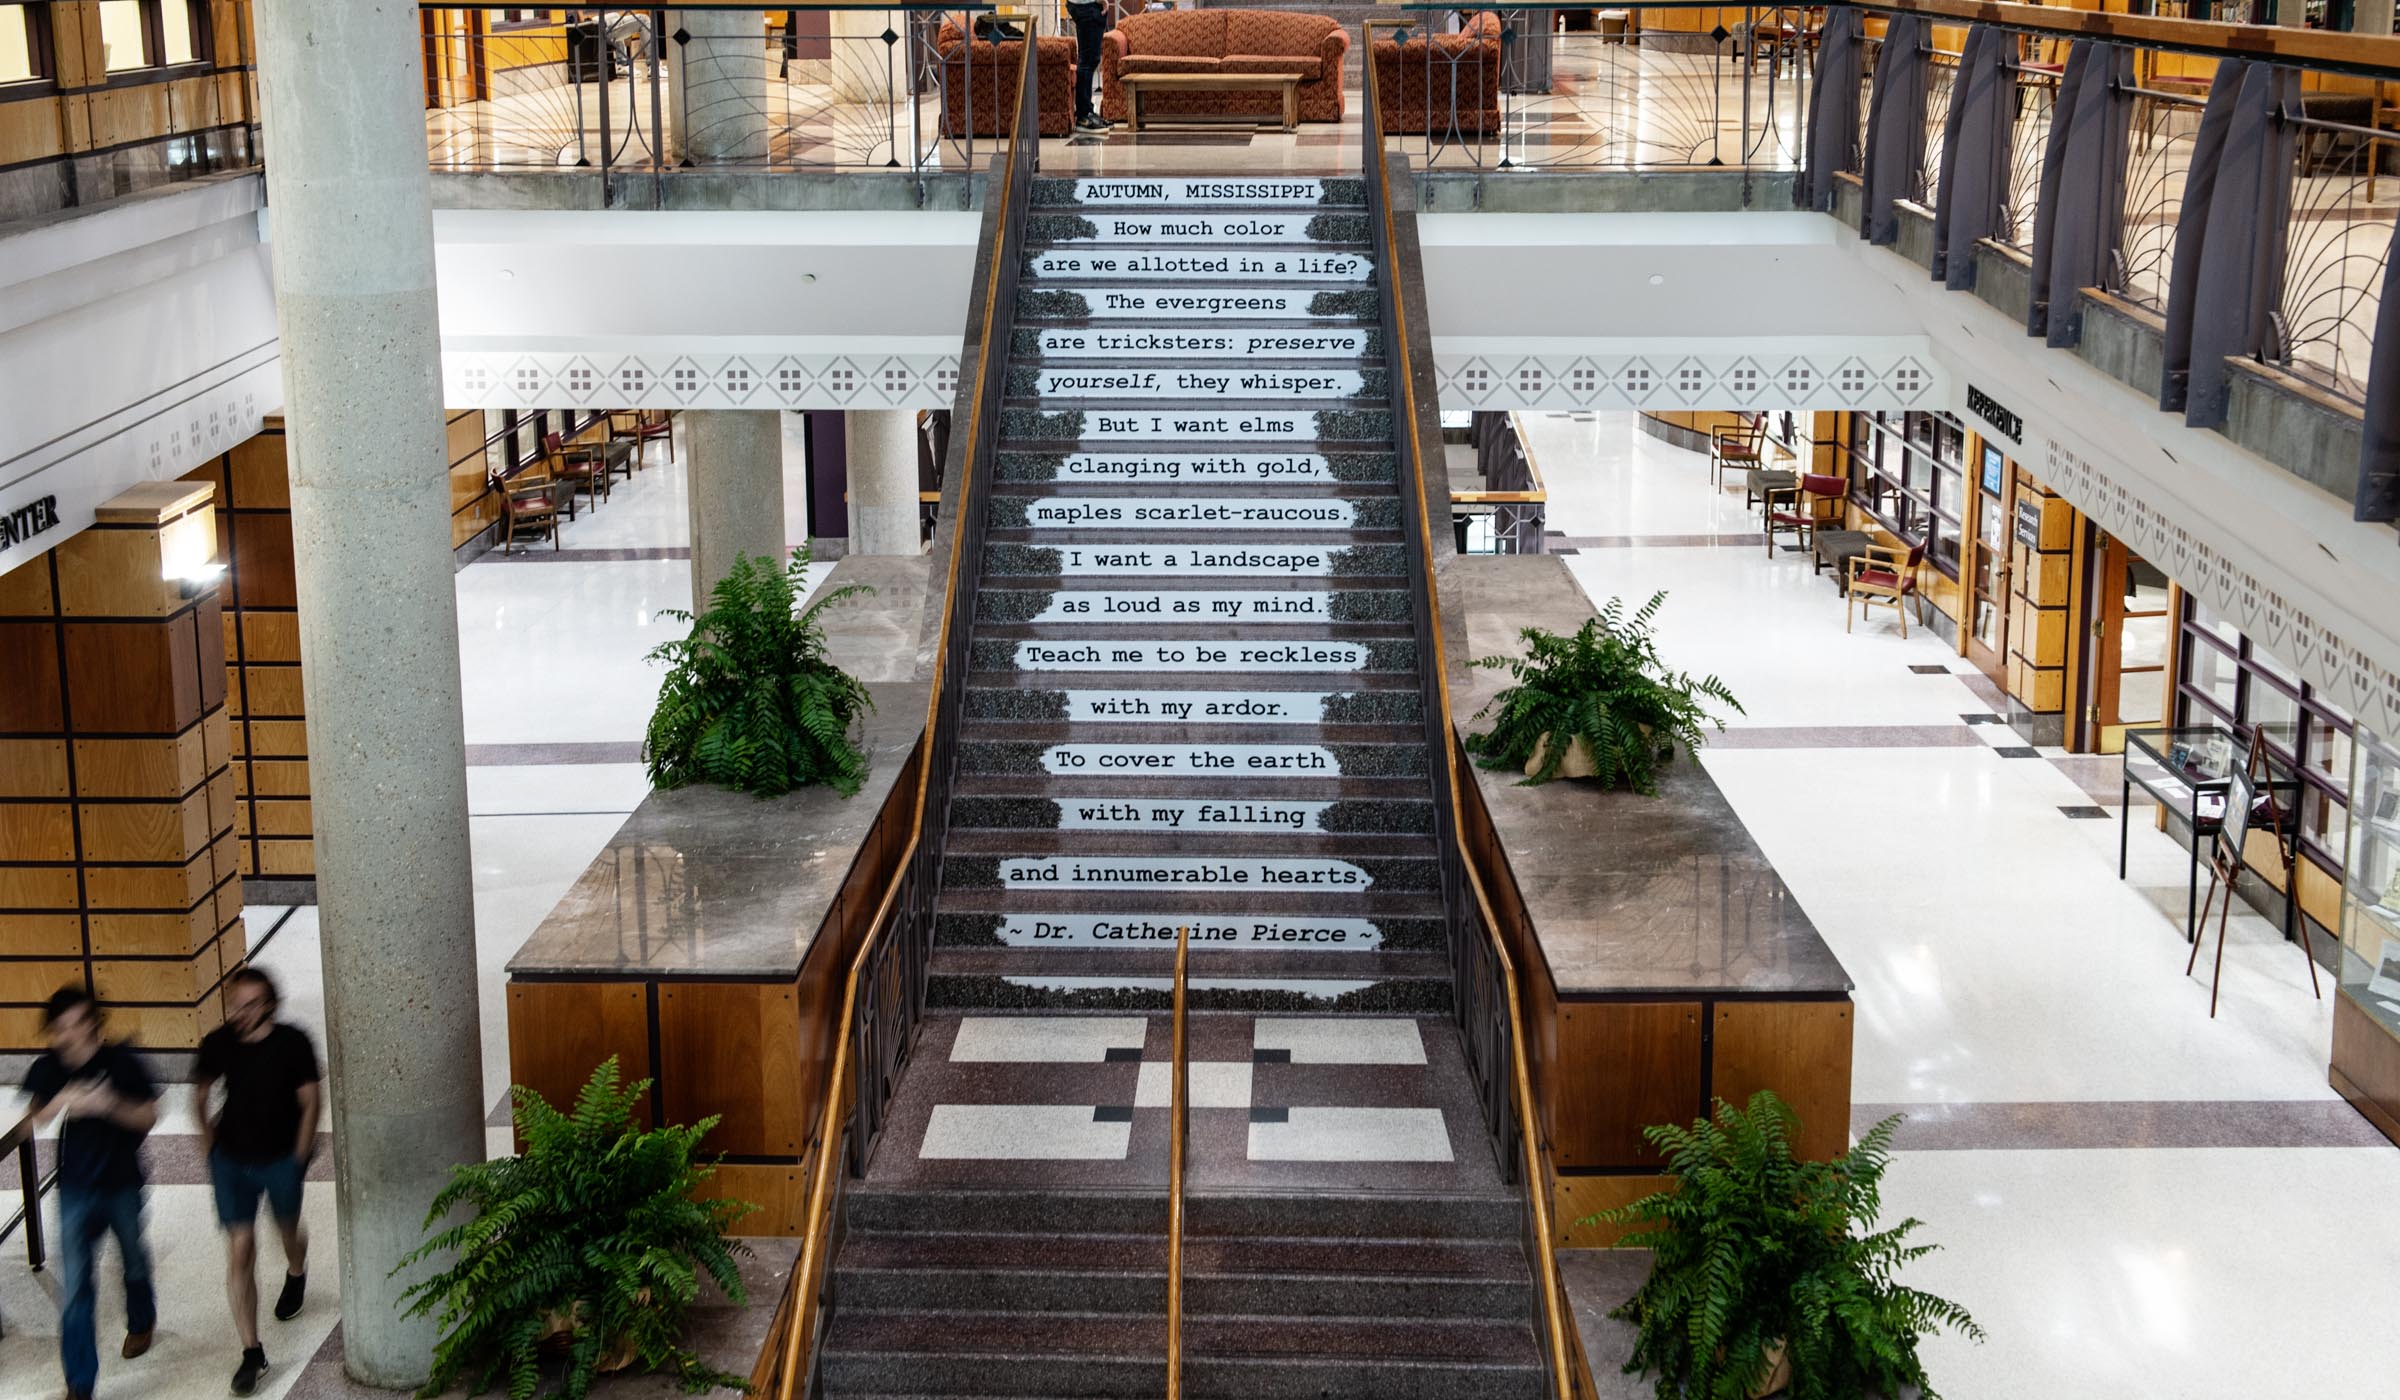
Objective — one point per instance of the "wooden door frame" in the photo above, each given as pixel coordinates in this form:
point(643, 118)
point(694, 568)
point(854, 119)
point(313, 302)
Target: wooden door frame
point(1992, 660)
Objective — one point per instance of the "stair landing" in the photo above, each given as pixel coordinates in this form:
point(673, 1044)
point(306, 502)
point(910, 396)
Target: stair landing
point(1339, 1103)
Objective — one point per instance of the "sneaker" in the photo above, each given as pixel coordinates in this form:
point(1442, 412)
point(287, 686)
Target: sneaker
point(135, 1344)
point(287, 1303)
point(1095, 122)
point(254, 1365)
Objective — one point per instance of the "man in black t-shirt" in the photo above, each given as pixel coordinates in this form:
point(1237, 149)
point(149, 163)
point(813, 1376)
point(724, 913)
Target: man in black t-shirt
point(258, 1144)
point(109, 1105)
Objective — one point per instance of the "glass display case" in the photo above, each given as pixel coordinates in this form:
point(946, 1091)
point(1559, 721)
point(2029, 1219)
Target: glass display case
point(2188, 770)
point(2370, 971)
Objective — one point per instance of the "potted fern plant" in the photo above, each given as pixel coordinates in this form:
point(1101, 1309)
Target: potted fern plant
point(587, 1248)
point(1767, 1274)
point(750, 701)
point(1598, 704)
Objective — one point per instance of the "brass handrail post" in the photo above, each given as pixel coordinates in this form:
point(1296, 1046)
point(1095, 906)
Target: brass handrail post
point(1177, 1111)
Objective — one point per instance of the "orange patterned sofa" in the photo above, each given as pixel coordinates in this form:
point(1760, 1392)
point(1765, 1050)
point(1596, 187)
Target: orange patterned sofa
point(981, 87)
point(1448, 84)
point(1225, 41)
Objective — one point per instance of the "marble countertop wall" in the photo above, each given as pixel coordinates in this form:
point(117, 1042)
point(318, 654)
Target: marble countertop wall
point(1627, 894)
point(701, 881)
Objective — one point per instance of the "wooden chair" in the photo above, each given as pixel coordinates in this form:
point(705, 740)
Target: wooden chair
point(584, 464)
point(529, 504)
point(639, 426)
point(1885, 575)
point(1804, 510)
point(1738, 448)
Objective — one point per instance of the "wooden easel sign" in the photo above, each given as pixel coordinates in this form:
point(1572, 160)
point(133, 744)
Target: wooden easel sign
point(2225, 862)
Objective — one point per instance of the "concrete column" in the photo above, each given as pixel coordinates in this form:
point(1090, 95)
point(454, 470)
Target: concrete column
point(717, 77)
point(352, 242)
point(882, 451)
point(735, 478)
point(866, 70)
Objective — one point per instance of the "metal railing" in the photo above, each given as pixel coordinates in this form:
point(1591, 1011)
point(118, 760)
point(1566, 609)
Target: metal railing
point(1483, 974)
point(1662, 87)
point(642, 91)
point(884, 994)
point(2336, 240)
point(1178, 1133)
point(1509, 515)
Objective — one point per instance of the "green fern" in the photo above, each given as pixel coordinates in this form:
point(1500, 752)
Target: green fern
point(1753, 1247)
point(592, 1234)
point(1605, 685)
point(750, 702)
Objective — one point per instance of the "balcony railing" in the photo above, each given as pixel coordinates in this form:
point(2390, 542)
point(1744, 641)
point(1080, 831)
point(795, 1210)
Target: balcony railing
point(639, 91)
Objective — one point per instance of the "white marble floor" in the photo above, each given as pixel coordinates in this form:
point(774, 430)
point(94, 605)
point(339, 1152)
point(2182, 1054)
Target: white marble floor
point(2006, 978)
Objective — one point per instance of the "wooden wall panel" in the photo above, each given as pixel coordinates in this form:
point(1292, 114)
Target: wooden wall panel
point(1575, 1199)
point(1799, 1049)
point(2366, 1065)
point(779, 1192)
point(559, 1032)
point(732, 1048)
point(116, 794)
point(1623, 1065)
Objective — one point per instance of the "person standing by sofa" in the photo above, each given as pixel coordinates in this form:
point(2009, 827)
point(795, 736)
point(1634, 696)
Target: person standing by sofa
point(258, 1145)
point(109, 1105)
point(1091, 21)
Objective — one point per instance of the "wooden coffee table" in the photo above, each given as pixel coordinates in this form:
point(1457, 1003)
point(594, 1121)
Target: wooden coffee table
point(1135, 84)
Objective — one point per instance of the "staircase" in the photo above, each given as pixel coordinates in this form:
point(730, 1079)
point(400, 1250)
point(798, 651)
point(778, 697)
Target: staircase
point(1192, 700)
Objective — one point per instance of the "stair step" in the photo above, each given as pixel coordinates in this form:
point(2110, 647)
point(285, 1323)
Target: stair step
point(1248, 511)
point(1251, 762)
point(1210, 193)
point(1246, 384)
point(1255, 470)
point(1359, 846)
point(1349, 347)
point(1338, 1217)
point(1212, 963)
point(1378, 905)
point(1263, 601)
point(1049, 654)
point(1024, 426)
point(1098, 868)
point(1140, 705)
point(1153, 302)
point(1245, 264)
point(1123, 932)
point(1344, 228)
point(950, 1210)
point(1189, 819)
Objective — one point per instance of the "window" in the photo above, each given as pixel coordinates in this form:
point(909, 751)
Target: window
point(1906, 470)
point(2229, 680)
point(152, 33)
point(121, 43)
point(24, 43)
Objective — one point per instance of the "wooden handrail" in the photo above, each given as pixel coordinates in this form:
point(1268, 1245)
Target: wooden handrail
point(1537, 1182)
point(816, 1224)
point(1178, 1110)
point(2324, 48)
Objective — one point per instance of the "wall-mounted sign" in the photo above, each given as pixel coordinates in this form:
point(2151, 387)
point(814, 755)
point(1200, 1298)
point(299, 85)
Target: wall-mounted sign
point(2029, 523)
point(1994, 466)
point(26, 521)
point(2000, 419)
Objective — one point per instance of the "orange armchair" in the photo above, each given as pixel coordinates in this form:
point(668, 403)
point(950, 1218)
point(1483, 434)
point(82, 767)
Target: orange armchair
point(979, 82)
point(1443, 84)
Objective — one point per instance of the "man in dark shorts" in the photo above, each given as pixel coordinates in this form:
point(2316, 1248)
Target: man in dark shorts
point(109, 1105)
point(1091, 21)
point(258, 1145)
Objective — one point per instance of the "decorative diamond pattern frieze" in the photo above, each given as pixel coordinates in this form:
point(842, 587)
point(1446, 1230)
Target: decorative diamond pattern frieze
point(1683, 381)
point(2275, 622)
point(538, 380)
